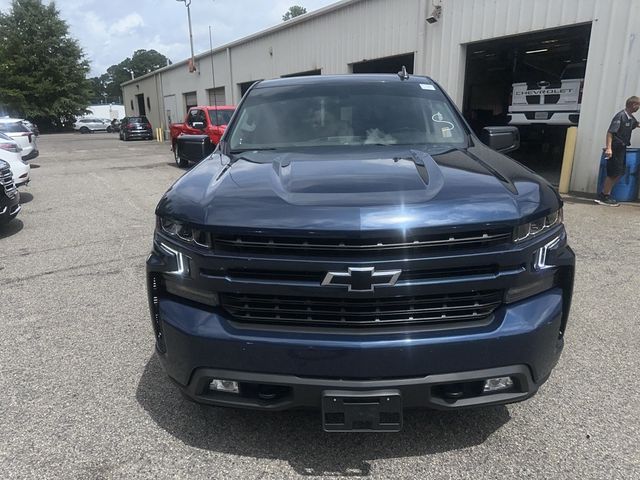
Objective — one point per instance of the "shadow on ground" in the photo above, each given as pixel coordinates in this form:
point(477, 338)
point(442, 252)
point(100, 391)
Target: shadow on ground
point(25, 197)
point(297, 436)
point(11, 228)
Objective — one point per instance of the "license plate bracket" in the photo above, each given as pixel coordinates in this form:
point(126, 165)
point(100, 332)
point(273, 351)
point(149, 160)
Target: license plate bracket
point(541, 116)
point(362, 411)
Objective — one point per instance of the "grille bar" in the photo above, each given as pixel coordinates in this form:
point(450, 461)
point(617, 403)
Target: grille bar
point(314, 311)
point(363, 245)
point(317, 276)
point(6, 179)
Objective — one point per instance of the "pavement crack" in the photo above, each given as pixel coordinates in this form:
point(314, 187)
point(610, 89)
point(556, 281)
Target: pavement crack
point(25, 252)
point(17, 280)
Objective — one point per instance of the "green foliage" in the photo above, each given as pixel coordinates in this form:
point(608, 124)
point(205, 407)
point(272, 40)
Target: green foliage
point(294, 11)
point(42, 69)
point(107, 85)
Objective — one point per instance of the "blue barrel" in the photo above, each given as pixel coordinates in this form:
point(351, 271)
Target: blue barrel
point(626, 189)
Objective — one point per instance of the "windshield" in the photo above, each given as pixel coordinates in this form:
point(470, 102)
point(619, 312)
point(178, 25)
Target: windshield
point(13, 127)
point(371, 113)
point(220, 117)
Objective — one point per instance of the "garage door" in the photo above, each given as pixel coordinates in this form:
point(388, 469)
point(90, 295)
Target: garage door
point(190, 100)
point(216, 96)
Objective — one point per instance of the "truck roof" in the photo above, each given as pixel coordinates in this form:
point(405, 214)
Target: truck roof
point(213, 107)
point(341, 79)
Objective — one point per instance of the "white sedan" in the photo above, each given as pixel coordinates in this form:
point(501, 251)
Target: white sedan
point(11, 153)
point(14, 128)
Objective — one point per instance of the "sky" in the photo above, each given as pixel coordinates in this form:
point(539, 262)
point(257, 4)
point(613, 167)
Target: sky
point(111, 30)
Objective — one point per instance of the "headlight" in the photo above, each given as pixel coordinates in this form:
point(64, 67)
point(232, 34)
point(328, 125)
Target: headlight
point(183, 231)
point(538, 226)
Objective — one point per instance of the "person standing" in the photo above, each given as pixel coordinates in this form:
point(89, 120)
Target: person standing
point(618, 139)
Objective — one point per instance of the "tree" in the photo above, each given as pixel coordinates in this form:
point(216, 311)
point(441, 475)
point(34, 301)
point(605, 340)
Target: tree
point(99, 89)
point(107, 86)
point(42, 69)
point(294, 11)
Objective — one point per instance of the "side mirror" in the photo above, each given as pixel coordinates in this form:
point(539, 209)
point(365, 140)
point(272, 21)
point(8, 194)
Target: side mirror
point(198, 125)
point(501, 139)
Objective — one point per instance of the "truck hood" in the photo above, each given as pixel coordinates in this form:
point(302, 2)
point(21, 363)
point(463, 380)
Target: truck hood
point(377, 188)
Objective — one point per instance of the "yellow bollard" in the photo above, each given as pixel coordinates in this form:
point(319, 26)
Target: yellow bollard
point(567, 159)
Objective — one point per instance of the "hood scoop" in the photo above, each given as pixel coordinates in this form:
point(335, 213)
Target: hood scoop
point(309, 180)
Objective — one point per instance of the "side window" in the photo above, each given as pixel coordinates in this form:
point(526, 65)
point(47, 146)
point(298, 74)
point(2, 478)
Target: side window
point(196, 116)
point(191, 117)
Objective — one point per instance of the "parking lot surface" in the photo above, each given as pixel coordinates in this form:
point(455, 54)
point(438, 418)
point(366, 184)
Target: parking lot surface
point(83, 396)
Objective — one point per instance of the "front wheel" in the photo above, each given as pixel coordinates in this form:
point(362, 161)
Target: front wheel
point(84, 130)
point(180, 162)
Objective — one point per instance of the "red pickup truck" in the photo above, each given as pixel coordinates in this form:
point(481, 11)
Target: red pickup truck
point(205, 120)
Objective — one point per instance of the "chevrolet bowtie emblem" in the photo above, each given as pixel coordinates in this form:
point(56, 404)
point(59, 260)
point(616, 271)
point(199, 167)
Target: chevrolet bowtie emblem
point(362, 279)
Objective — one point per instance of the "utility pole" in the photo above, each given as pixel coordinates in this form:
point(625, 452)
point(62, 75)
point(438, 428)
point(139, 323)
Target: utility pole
point(192, 66)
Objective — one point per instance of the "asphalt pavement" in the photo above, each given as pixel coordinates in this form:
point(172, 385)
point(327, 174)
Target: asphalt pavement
point(82, 394)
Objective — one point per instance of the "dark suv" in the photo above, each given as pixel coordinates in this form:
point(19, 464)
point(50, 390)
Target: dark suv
point(9, 196)
point(135, 127)
point(352, 246)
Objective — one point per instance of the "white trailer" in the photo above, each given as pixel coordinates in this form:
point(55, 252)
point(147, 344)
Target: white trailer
point(110, 111)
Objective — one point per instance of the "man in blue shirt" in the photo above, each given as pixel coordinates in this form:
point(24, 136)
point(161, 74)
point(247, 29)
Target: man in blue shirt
point(618, 139)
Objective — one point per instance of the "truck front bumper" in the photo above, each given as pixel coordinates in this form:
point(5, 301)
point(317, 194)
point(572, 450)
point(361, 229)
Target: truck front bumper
point(278, 370)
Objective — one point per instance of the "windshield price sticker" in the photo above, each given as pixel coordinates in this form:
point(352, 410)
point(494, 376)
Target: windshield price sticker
point(426, 86)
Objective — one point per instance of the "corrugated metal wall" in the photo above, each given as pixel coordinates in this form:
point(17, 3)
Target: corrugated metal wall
point(331, 42)
point(355, 30)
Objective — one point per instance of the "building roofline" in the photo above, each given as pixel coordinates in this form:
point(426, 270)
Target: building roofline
point(254, 36)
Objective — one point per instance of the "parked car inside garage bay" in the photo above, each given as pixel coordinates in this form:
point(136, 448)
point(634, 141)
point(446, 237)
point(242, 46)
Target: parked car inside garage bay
point(15, 129)
point(353, 247)
point(11, 153)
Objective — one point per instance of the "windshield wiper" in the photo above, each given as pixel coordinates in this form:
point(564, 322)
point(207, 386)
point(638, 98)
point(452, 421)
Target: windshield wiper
point(242, 150)
point(236, 155)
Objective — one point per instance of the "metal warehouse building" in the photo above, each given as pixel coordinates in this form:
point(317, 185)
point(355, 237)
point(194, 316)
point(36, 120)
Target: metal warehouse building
point(475, 49)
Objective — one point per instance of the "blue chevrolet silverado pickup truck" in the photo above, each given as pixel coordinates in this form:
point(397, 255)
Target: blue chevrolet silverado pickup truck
point(352, 246)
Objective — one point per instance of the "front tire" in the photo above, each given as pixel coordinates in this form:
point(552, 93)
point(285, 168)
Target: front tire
point(180, 162)
point(84, 130)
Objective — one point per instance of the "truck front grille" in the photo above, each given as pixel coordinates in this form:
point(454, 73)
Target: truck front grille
point(446, 310)
point(348, 247)
point(6, 179)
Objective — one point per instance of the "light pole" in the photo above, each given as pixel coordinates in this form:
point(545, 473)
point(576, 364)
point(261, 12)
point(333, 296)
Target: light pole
point(192, 67)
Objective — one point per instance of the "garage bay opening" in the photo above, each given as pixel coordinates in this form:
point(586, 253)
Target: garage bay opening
point(531, 81)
